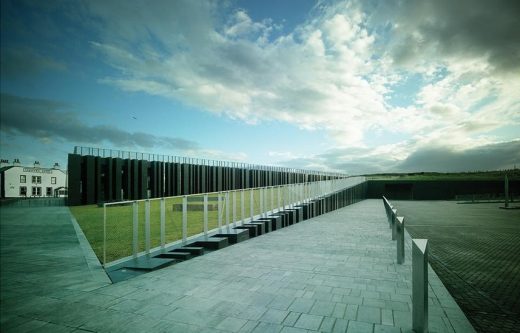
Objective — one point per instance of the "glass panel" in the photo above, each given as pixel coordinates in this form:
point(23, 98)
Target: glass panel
point(119, 228)
point(155, 223)
point(195, 214)
point(212, 211)
point(257, 201)
point(90, 219)
point(173, 208)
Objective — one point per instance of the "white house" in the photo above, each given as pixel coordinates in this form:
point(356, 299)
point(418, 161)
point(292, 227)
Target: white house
point(31, 181)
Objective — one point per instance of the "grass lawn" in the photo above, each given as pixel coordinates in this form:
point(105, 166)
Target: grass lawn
point(119, 227)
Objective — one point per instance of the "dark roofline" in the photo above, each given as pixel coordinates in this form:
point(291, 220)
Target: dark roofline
point(6, 168)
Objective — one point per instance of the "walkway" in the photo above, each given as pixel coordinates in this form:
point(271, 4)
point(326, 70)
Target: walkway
point(333, 273)
point(42, 261)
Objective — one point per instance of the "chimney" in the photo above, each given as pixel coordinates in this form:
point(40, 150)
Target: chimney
point(16, 162)
point(36, 164)
point(4, 163)
point(56, 166)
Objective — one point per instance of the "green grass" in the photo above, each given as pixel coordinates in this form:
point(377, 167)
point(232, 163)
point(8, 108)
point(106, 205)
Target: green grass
point(429, 176)
point(119, 230)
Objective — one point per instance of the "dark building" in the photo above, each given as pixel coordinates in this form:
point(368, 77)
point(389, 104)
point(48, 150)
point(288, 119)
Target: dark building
point(102, 175)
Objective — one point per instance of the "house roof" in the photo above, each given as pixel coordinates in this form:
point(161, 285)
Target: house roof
point(2, 169)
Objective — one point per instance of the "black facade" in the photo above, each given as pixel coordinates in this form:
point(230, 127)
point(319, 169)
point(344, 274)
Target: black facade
point(438, 190)
point(95, 179)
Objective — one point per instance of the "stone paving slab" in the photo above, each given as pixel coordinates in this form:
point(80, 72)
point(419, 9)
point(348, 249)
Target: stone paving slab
point(475, 249)
point(333, 273)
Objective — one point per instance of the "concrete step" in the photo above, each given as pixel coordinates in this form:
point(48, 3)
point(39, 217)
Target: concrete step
point(234, 235)
point(275, 222)
point(298, 214)
point(292, 216)
point(211, 243)
point(175, 255)
point(267, 224)
point(250, 228)
point(260, 227)
point(305, 211)
point(149, 263)
point(284, 216)
point(194, 250)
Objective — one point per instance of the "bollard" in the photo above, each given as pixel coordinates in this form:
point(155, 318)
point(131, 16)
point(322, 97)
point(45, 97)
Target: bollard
point(506, 192)
point(104, 234)
point(390, 208)
point(388, 211)
point(394, 216)
point(420, 285)
point(400, 239)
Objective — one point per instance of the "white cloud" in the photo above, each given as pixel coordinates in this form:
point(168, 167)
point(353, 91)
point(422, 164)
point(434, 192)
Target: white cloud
point(315, 77)
point(334, 72)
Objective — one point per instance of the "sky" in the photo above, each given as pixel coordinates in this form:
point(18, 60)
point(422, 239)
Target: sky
point(352, 86)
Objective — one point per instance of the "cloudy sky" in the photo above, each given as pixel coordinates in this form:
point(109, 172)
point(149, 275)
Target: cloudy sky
point(351, 86)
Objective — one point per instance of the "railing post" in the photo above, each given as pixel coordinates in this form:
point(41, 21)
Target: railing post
point(261, 193)
point(252, 204)
point(104, 233)
point(265, 202)
point(219, 210)
point(279, 199)
point(135, 229)
point(234, 208)
point(184, 219)
point(272, 199)
point(205, 214)
point(163, 223)
point(394, 217)
point(147, 227)
point(420, 285)
point(400, 239)
point(242, 207)
point(227, 210)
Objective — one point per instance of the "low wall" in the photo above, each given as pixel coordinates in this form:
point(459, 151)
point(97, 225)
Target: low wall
point(33, 202)
point(438, 189)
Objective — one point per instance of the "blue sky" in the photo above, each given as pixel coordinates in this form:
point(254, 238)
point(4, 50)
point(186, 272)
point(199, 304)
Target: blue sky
point(350, 86)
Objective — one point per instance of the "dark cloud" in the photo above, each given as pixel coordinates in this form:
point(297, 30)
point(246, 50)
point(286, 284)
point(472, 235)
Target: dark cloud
point(490, 157)
point(353, 161)
point(49, 120)
point(23, 62)
point(358, 161)
point(468, 28)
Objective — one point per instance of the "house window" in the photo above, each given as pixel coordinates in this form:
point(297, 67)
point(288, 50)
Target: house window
point(37, 179)
point(22, 179)
point(23, 191)
point(53, 180)
point(36, 191)
point(49, 191)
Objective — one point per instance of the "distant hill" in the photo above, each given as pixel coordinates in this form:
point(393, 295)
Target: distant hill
point(513, 174)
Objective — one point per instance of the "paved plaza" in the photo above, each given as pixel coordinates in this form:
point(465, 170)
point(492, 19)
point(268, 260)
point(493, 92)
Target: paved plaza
point(333, 273)
point(475, 249)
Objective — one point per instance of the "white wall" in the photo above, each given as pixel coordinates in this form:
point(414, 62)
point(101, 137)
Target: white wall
point(12, 180)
